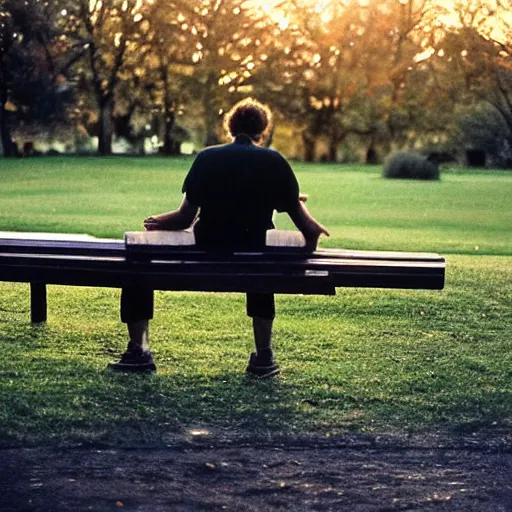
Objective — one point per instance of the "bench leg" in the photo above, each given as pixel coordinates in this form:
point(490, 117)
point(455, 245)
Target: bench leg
point(38, 310)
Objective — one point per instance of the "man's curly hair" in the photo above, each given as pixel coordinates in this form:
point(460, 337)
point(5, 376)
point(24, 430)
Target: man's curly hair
point(249, 117)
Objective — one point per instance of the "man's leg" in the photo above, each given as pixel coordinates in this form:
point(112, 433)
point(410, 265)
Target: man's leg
point(138, 330)
point(261, 308)
point(262, 328)
point(136, 311)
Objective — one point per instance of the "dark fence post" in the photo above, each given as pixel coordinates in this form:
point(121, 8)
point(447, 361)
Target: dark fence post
point(38, 310)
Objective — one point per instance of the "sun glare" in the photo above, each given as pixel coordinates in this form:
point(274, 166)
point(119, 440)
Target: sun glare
point(447, 12)
point(272, 8)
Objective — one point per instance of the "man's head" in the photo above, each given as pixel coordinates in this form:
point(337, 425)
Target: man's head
point(249, 117)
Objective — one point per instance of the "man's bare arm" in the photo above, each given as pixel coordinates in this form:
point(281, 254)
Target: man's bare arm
point(307, 224)
point(182, 218)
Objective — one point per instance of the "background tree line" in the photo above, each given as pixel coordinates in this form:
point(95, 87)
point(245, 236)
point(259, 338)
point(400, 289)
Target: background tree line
point(346, 78)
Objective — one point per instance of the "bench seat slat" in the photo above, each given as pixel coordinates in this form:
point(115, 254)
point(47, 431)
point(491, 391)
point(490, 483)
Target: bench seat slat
point(79, 248)
point(50, 243)
point(81, 260)
point(117, 277)
point(198, 265)
point(117, 272)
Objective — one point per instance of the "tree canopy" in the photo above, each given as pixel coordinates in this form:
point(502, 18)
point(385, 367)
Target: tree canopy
point(389, 75)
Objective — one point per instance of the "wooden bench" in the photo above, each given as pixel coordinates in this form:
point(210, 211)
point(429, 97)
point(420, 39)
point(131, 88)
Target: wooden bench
point(166, 260)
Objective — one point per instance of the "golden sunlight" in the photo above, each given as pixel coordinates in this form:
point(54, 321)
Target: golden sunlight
point(268, 6)
point(275, 9)
point(486, 14)
point(327, 9)
point(493, 17)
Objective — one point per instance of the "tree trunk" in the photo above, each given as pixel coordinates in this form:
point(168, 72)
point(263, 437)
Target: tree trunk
point(372, 157)
point(309, 147)
point(210, 114)
point(105, 126)
point(169, 147)
point(6, 144)
point(333, 149)
point(270, 137)
point(138, 146)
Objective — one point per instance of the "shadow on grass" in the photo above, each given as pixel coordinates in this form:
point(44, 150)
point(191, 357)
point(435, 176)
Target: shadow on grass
point(68, 398)
point(75, 402)
point(362, 374)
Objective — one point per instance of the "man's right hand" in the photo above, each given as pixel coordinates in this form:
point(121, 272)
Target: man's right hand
point(151, 224)
point(179, 219)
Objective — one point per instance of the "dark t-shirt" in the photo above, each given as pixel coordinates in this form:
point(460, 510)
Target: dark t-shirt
point(237, 187)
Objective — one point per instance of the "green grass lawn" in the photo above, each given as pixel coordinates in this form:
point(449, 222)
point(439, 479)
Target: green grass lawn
point(365, 360)
point(464, 213)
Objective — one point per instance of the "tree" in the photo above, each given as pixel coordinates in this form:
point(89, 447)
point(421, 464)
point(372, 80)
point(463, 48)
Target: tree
point(483, 128)
point(6, 42)
point(313, 73)
point(474, 67)
point(230, 41)
point(168, 69)
point(343, 68)
point(110, 33)
point(32, 89)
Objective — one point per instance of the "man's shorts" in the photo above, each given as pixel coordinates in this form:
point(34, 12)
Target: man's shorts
point(138, 304)
point(260, 305)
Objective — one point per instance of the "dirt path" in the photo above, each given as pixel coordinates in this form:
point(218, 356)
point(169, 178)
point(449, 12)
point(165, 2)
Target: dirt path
point(349, 476)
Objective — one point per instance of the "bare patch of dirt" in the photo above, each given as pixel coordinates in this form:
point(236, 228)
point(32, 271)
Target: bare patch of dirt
point(354, 474)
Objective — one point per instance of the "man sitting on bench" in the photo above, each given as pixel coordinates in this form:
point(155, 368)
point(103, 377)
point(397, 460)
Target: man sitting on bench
point(235, 189)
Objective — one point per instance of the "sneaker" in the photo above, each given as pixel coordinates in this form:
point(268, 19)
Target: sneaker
point(262, 367)
point(134, 361)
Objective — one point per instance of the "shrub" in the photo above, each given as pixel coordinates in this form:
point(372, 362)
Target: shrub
point(410, 166)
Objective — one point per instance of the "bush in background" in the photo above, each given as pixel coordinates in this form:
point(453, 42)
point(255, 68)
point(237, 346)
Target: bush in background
point(410, 166)
point(487, 137)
